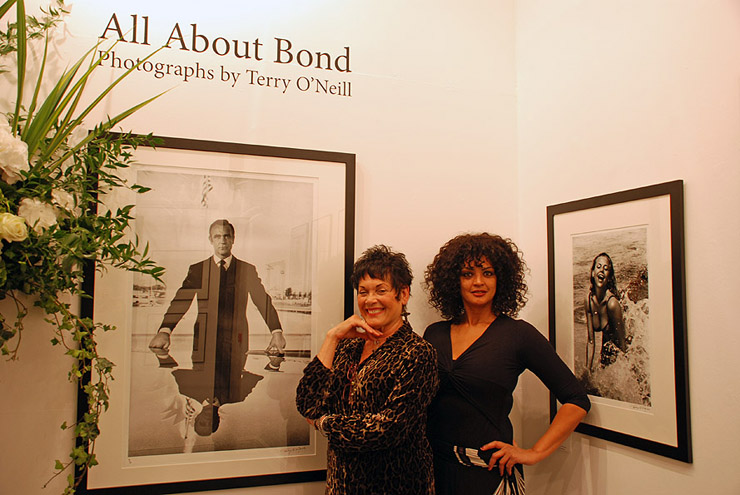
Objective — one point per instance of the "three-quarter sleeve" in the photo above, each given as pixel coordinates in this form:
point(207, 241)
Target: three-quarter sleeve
point(539, 356)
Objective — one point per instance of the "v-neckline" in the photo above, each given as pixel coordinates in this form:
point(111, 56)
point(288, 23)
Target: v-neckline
point(465, 351)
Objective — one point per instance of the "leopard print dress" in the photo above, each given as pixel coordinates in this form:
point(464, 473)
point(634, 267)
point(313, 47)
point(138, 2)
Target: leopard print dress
point(375, 415)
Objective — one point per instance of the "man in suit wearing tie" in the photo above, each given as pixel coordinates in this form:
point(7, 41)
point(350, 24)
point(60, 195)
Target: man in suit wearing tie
point(222, 286)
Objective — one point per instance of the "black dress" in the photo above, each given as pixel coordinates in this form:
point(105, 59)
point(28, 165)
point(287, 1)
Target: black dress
point(476, 395)
point(375, 415)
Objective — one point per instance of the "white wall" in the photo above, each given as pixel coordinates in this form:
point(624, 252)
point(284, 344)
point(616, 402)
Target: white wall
point(615, 95)
point(458, 127)
point(430, 120)
point(36, 399)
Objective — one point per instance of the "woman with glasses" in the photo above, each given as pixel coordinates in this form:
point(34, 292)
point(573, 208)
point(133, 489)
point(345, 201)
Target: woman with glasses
point(369, 386)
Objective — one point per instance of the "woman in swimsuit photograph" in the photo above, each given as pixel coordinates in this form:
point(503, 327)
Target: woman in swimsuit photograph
point(604, 313)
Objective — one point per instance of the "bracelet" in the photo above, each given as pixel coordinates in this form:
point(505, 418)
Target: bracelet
point(319, 425)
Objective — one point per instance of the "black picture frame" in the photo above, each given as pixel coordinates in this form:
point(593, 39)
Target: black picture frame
point(639, 393)
point(325, 182)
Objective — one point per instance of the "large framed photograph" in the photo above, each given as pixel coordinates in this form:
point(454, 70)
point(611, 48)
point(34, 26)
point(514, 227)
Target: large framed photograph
point(617, 314)
point(214, 408)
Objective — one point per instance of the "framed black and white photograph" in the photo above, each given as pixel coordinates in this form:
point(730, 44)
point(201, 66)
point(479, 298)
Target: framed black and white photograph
point(617, 314)
point(255, 241)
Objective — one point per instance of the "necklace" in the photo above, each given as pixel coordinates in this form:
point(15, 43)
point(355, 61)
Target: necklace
point(381, 341)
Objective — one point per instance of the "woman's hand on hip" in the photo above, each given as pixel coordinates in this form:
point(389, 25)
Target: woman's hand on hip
point(507, 455)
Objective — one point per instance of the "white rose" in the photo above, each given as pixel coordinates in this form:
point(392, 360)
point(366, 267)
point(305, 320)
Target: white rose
point(13, 154)
point(12, 228)
point(38, 214)
point(63, 200)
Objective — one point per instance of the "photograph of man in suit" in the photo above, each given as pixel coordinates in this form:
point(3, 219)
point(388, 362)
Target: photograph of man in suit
point(222, 285)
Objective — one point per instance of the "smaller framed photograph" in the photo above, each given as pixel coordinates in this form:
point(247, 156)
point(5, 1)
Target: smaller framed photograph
point(256, 242)
point(617, 314)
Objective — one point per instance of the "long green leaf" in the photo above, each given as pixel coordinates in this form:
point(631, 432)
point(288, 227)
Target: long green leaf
point(32, 106)
point(74, 96)
point(65, 129)
point(102, 129)
point(49, 111)
point(59, 106)
point(6, 7)
point(42, 121)
point(21, 46)
point(107, 90)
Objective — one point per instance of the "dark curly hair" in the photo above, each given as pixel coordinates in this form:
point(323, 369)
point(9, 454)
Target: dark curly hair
point(442, 277)
point(381, 262)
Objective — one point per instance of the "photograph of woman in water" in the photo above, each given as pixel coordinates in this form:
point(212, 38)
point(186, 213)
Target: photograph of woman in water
point(610, 294)
point(617, 312)
point(604, 312)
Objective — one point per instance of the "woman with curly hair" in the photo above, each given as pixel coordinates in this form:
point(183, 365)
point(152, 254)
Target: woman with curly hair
point(604, 313)
point(476, 281)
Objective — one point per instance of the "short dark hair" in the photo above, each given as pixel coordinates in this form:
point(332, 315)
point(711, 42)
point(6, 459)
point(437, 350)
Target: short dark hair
point(381, 262)
point(221, 223)
point(442, 276)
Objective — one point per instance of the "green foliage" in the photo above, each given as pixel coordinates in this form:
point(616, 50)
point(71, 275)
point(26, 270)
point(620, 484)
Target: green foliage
point(53, 217)
point(35, 27)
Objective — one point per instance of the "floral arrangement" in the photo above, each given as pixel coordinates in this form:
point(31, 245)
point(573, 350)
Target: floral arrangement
point(53, 221)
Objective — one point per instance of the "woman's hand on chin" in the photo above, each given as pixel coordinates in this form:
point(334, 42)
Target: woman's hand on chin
point(353, 327)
